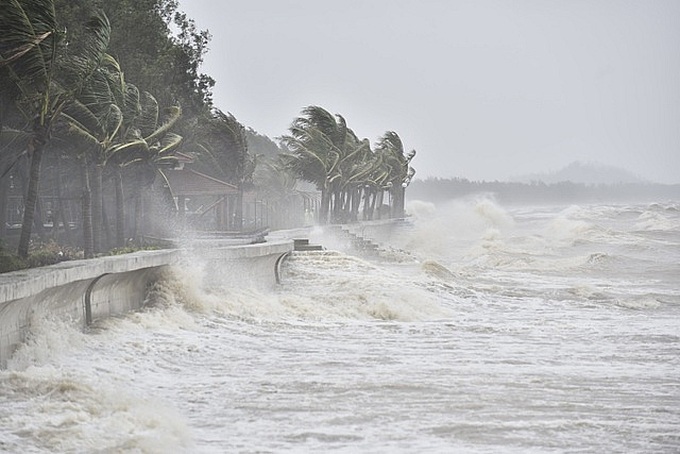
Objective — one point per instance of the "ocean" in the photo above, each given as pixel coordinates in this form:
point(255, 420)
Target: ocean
point(478, 328)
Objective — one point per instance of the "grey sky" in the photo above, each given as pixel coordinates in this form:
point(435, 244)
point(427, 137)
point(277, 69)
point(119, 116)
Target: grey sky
point(482, 89)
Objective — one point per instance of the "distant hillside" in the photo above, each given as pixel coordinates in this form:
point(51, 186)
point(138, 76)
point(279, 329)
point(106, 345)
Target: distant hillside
point(585, 173)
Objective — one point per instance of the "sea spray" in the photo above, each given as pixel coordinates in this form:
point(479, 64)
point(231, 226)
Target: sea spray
point(48, 337)
point(331, 285)
point(53, 402)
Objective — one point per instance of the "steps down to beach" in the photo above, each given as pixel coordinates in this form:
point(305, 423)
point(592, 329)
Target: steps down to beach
point(371, 240)
point(302, 244)
point(353, 240)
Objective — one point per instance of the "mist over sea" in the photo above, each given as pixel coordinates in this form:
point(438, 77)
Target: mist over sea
point(480, 328)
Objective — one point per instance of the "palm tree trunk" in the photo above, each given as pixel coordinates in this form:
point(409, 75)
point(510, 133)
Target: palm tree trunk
point(120, 209)
point(62, 208)
point(137, 229)
point(356, 201)
point(375, 205)
point(88, 238)
point(4, 190)
point(379, 197)
point(399, 201)
point(97, 208)
point(238, 210)
point(107, 238)
point(325, 206)
point(337, 206)
point(31, 198)
point(367, 204)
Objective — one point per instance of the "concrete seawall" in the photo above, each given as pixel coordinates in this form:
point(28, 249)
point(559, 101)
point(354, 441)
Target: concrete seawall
point(84, 290)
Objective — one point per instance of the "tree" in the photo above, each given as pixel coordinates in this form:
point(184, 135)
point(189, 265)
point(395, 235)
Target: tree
point(398, 172)
point(278, 186)
point(224, 148)
point(95, 120)
point(158, 60)
point(316, 142)
point(325, 152)
point(47, 78)
point(120, 127)
point(146, 144)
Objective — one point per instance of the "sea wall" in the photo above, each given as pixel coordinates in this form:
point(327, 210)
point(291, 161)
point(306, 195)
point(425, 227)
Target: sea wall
point(252, 265)
point(81, 291)
point(379, 230)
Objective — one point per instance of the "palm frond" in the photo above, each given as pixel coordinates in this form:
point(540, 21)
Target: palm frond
point(29, 27)
point(169, 143)
point(172, 114)
point(13, 145)
point(80, 131)
point(150, 113)
point(91, 53)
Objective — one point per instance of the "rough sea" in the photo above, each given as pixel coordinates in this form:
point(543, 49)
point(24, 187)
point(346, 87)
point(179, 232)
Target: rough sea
point(478, 329)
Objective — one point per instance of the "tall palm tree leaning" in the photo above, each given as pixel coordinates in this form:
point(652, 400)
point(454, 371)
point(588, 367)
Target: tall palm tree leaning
point(92, 122)
point(317, 144)
point(399, 172)
point(145, 141)
point(46, 78)
point(226, 148)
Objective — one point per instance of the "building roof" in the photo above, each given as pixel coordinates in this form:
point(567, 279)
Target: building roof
point(186, 182)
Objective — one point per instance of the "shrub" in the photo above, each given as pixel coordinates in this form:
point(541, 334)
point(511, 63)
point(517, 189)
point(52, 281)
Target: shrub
point(50, 252)
point(11, 262)
point(129, 249)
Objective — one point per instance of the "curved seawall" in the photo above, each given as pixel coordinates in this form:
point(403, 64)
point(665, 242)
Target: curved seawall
point(84, 290)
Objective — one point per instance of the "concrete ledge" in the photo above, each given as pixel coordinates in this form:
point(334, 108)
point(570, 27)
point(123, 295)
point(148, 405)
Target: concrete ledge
point(26, 283)
point(246, 251)
point(253, 265)
point(81, 291)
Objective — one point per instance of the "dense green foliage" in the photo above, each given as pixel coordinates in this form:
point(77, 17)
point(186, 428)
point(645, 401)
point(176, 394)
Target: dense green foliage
point(349, 175)
point(66, 69)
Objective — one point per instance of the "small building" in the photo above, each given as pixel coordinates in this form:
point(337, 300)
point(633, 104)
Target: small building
point(201, 202)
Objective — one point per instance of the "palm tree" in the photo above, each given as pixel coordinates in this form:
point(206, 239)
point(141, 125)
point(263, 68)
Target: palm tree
point(226, 148)
point(122, 128)
point(145, 145)
point(46, 79)
point(398, 171)
point(318, 143)
point(277, 184)
point(94, 119)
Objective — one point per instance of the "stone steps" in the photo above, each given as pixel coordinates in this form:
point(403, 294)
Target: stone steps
point(302, 244)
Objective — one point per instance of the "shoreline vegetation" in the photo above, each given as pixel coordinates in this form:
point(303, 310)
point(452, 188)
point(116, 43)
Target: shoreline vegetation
point(109, 135)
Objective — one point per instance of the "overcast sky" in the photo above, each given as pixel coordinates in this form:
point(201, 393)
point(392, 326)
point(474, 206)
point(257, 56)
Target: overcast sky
point(482, 89)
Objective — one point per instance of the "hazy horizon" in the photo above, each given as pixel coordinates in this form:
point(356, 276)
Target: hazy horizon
point(484, 90)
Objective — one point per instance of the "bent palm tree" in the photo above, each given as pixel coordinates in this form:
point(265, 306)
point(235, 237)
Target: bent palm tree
point(226, 147)
point(317, 144)
point(122, 128)
point(398, 171)
point(45, 79)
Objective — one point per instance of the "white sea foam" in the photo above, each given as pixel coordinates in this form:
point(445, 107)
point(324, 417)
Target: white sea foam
point(438, 230)
point(331, 284)
point(639, 302)
point(48, 338)
point(655, 220)
point(56, 403)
